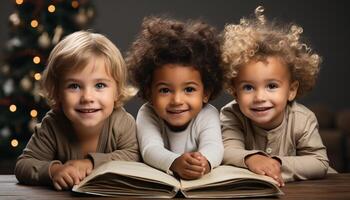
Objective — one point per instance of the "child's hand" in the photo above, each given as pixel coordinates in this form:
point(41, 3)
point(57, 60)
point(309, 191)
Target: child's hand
point(187, 167)
point(203, 160)
point(71, 173)
point(83, 166)
point(264, 165)
point(64, 176)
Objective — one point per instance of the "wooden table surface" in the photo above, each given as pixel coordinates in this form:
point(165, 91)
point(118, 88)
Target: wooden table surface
point(334, 186)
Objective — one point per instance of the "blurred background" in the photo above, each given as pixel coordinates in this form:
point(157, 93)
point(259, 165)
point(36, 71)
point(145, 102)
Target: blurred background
point(30, 28)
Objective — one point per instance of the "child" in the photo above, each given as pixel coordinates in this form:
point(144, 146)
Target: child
point(264, 129)
point(85, 84)
point(176, 67)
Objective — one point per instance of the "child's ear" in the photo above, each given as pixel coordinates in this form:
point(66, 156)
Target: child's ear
point(293, 90)
point(232, 91)
point(116, 96)
point(206, 97)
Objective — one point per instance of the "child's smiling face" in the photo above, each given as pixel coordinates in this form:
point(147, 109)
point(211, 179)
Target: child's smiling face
point(177, 94)
point(263, 89)
point(87, 96)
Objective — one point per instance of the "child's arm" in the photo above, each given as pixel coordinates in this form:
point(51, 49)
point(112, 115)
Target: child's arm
point(209, 135)
point(210, 148)
point(152, 144)
point(122, 141)
point(310, 160)
point(234, 137)
point(32, 166)
point(235, 150)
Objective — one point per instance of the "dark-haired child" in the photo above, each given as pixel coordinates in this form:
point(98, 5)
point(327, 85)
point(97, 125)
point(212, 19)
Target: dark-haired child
point(175, 65)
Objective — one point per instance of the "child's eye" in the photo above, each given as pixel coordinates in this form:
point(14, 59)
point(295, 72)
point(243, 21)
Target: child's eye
point(189, 89)
point(100, 85)
point(247, 87)
point(73, 86)
point(272, 86)
point(164, 90)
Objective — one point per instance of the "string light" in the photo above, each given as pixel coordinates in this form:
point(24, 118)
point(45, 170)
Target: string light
point(51, 8)
point(19, 2)
point(36, 59)
point(37, 76)
point(33, 113)
point(34, 23)
point(14, 143)
point(13, 108)
point(75, 4)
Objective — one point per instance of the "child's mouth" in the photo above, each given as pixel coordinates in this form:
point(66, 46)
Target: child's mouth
point(261, 109)
point(87, 110)
point(176, 111)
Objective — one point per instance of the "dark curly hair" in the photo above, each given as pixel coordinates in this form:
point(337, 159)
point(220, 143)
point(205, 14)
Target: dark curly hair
point(168, 41)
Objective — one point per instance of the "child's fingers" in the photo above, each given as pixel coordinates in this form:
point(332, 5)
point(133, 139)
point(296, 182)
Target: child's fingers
point(62, 183)
point(258, 171)
point(76, 179)
point(275, 173)
point(195, 168)
point(68, 180)
point(190, 174)
point(276, 176)
point(281, 180)
point(88, 171)
point(82, 174)
point(75, 175)
point(193, 161)
point(197, 155)
point(57, 186)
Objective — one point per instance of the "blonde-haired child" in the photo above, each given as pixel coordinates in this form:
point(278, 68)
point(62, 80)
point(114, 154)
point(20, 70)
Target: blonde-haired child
point(175, 65)
point(264, 128)
point(85, 83)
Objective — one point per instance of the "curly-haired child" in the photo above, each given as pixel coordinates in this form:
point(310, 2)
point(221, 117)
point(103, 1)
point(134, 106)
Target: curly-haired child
point(85, 83)
point(264, 128)
point(175, 65)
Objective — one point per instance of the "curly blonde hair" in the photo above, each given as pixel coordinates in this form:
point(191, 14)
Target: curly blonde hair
point(73, 53)
point(256, 39)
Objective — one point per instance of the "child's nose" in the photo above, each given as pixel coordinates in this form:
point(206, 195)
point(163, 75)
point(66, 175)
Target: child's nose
point(176, 98)
point(260, 95)
point(87, 96)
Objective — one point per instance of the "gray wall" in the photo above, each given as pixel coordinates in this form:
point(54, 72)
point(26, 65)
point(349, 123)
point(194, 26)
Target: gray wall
point(324, 21)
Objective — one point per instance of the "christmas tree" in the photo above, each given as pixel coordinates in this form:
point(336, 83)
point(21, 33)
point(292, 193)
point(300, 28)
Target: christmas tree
point(35, 27)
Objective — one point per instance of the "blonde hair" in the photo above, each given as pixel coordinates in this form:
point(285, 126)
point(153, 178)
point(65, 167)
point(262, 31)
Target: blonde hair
point(256, 39)
point(73, 53)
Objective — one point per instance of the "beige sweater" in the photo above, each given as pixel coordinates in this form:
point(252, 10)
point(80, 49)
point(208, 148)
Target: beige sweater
point(54, 141)
point(296, 142)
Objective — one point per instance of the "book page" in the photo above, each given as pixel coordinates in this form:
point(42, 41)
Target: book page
point(222, 174)
point(132, 169)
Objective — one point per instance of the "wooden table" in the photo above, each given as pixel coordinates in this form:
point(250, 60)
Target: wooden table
point(334, 186)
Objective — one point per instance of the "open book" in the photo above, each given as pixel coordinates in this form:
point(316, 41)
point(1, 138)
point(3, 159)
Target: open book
point(135, 179)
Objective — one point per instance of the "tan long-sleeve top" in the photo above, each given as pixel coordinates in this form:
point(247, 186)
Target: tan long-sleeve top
point(54, 141)
point(296, 142)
